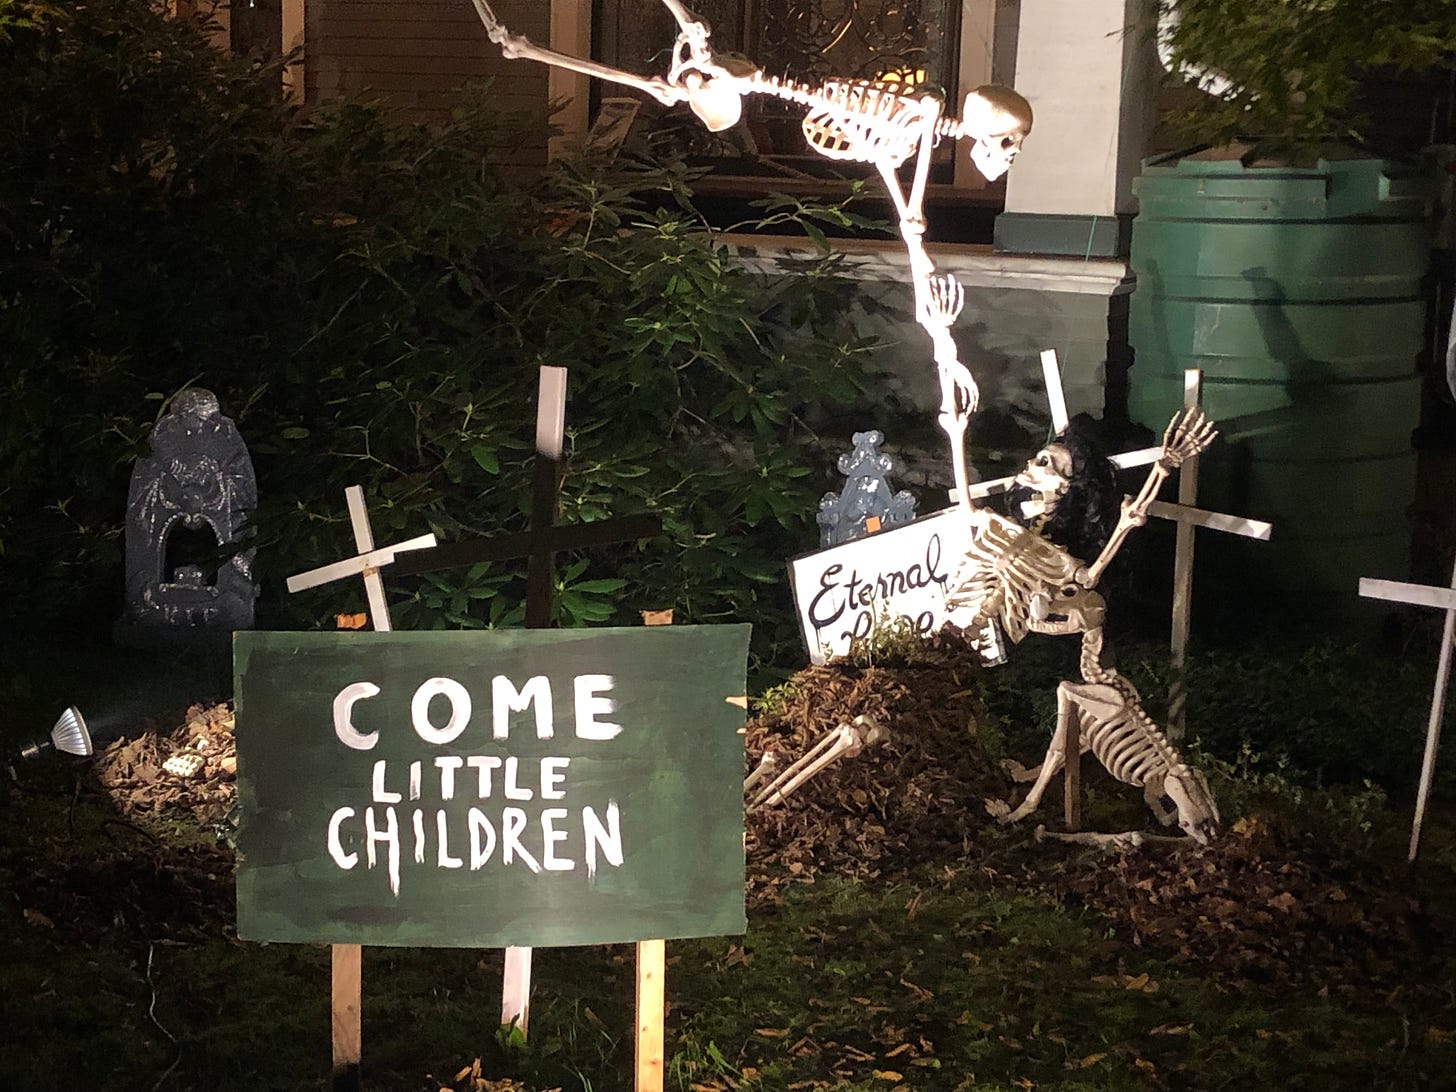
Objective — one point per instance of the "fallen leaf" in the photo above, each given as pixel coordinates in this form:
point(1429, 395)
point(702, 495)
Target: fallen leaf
point(771, 1033)
point(35, 917)
point(1090, 1060)
point(921, 993)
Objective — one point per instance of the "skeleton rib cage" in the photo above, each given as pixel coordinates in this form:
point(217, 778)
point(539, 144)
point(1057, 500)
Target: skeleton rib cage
point(1131, 747)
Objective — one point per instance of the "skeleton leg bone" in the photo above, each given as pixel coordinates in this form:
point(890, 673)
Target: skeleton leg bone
point(1055, 756)
point(847, 739)
point(1107, 841)
point(768, 764)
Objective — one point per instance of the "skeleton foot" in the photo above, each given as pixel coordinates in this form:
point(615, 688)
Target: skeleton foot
point(1017, 772)
point(997, 809)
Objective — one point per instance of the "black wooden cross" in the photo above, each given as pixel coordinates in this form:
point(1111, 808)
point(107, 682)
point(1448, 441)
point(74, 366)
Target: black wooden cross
point(540, 544)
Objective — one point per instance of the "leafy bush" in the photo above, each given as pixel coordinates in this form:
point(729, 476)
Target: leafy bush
point(371, 301)
point(1296, 66)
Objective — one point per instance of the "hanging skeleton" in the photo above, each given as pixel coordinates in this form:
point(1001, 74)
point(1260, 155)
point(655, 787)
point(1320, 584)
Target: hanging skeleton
point(877, 122)
point(1020, 580)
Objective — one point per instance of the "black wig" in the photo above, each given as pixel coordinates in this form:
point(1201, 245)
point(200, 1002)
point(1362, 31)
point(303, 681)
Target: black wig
point(1083, 519)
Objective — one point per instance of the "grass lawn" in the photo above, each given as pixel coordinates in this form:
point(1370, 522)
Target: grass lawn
point(898, 939)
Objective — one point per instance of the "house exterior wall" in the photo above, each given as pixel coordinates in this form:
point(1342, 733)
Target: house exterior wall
point(416, 54)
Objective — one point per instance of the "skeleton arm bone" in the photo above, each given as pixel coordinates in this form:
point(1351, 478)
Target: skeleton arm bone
point(518, 47)
point(1188, 433)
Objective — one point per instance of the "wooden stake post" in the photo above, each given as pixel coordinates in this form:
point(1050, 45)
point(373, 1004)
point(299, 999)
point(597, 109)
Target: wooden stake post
point(1445, 599)
point(347, 986)
point(1183, 573)
point(651, 1062)
point(539, 546)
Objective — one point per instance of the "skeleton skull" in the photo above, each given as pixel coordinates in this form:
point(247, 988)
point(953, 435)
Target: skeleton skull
point(1197, 813)
point(1047, 475)
point(997, 120)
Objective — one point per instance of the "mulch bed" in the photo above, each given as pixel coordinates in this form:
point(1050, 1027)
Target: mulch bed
point(1262, 903)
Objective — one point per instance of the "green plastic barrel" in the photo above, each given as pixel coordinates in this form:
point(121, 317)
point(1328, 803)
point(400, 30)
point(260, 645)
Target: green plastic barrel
point(1297, 293)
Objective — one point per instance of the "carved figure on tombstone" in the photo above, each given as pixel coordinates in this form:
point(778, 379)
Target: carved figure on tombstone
point(197, 478)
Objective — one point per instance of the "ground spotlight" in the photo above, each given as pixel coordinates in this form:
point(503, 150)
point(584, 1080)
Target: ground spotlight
point(69, 736)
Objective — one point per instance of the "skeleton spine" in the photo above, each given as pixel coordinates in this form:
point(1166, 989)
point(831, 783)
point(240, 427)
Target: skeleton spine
point(1131, 747)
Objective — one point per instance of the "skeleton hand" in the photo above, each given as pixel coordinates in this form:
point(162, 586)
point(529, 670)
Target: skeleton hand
point(946, 298)
point(1189, 432)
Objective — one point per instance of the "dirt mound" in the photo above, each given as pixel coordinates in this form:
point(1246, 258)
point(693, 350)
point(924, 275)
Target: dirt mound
point(912, 799)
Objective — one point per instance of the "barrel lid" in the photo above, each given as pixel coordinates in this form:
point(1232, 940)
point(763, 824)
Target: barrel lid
point(1220, 184)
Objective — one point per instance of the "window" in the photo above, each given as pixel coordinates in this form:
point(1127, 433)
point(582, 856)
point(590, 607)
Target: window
point(946, 46)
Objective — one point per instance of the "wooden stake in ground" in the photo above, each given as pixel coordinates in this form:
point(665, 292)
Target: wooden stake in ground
point(1183, 573)
point(346, 993)
point(538, 546)
point(651, 1062)
point(1445, 599)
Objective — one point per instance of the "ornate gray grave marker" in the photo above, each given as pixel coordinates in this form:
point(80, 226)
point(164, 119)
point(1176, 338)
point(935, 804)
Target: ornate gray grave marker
point(197, 478)
point(865, 504)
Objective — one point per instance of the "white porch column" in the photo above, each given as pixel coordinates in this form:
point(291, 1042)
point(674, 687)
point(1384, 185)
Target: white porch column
point(1090, 70)
point(570, 34)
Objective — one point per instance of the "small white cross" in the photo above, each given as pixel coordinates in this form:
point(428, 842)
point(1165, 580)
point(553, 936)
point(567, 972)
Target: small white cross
point(366, 563)
point(347, 958)
point(1423, 595)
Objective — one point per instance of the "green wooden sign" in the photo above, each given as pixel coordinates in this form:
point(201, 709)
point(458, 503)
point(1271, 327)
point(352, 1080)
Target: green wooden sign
point(524, 787)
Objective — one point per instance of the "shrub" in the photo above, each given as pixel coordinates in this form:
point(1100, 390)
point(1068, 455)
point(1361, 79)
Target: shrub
point(371, 300)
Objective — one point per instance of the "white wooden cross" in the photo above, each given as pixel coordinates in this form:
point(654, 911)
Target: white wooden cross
point(1183, 513)
point(1445, 599)
point(347, 984)
point(366, 563)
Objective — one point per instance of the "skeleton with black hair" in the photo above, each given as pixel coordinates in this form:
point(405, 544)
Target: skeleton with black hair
point(1026, 574)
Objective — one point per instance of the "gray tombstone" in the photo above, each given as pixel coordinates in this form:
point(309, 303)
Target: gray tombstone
point(844, 516)
point(197, 483)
